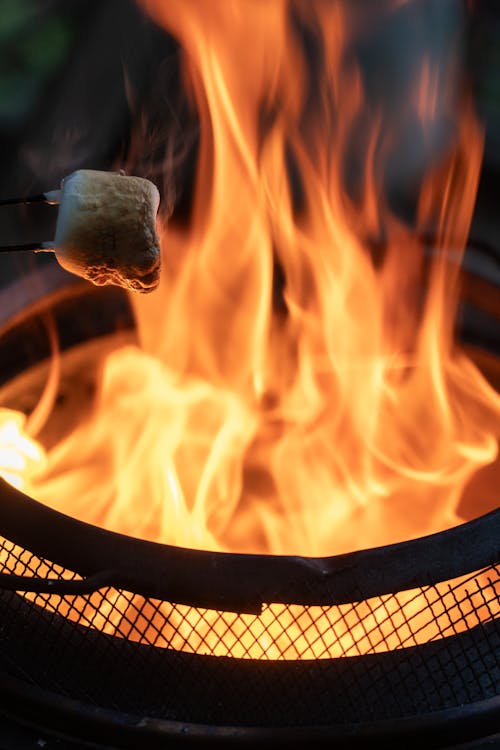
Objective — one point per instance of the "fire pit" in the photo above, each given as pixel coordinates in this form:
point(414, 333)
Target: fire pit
point(125, 642)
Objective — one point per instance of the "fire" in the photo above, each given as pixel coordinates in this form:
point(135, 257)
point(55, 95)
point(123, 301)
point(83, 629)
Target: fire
point(297, 388)
point(19, 455)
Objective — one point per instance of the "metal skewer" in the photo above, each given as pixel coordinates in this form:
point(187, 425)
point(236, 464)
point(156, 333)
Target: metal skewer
point(51, 198)
point(28, 247)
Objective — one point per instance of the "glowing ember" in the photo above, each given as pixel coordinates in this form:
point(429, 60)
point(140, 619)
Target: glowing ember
point(342, 418)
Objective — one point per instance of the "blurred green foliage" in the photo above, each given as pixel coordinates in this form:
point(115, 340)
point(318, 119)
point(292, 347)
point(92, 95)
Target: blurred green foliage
point(34, 42)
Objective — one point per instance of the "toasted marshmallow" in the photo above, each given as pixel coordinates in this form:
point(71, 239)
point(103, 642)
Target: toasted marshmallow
point(106, 231)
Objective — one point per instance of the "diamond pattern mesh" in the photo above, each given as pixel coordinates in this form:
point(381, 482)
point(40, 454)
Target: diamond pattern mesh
point(391, 655)
point(281, 631)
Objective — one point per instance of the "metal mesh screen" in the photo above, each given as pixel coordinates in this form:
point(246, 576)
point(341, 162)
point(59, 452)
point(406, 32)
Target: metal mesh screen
point(281, 631)
point(392, 655)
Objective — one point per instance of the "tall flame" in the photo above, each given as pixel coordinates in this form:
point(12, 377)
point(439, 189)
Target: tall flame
point(297, 388)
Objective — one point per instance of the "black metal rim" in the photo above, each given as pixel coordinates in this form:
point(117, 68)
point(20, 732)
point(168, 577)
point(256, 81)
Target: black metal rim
point(240, 582)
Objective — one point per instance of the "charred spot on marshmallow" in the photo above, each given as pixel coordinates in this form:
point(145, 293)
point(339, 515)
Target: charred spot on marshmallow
point(106, 229)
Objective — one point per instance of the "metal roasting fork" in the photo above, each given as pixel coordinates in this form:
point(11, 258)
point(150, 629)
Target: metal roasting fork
point(51, 198)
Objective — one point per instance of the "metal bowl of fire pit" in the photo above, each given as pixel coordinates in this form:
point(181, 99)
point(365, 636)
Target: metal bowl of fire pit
point(124, 642)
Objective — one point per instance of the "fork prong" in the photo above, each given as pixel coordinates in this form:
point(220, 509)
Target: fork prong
point(24, 201)
point(28, 247)
point(51, 197)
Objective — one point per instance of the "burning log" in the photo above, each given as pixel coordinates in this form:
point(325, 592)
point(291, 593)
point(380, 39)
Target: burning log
point(105, 229)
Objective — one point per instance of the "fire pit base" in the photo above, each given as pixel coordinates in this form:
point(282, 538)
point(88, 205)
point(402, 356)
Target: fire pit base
point(31, 717)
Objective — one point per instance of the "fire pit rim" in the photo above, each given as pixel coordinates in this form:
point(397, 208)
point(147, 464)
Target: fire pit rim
point(235, 581)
